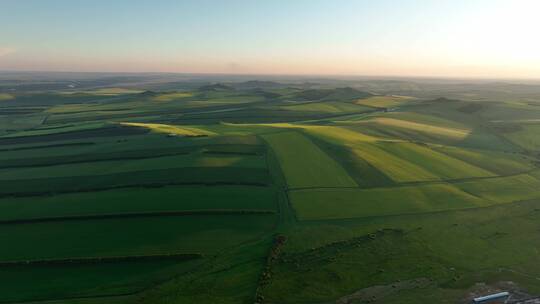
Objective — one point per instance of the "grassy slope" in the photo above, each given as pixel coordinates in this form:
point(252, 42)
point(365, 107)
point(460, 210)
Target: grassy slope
point(53, 282)
point(170, 129)
point(119, 166)
point(504, 189)
point(497, 162)
point(451, 249)
point(139, 200)
point(383, 101)
point(393, 166)
point(335, 204)
point(444, 166)
point(139, 236)
point(527, 137)
point(454, 248)
point(304, 164)
point(326, 107)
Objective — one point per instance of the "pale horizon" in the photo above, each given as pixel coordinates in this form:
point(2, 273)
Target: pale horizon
point(462, 39)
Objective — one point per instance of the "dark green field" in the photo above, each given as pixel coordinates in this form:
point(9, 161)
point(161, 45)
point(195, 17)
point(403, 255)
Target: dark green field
point(222, 191)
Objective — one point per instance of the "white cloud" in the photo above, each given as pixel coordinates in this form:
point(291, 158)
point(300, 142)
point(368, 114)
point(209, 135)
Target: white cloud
point(6, 51)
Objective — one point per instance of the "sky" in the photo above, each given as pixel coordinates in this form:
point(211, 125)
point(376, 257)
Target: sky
point(431, 38)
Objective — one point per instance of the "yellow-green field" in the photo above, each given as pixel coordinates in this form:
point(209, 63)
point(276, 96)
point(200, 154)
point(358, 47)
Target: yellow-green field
point(528, 137)
point(304, 164)
point(171, 96)
point(421, 127)
point(5, 96)
point(384, 101)
point(353, 203)
point(170, 129)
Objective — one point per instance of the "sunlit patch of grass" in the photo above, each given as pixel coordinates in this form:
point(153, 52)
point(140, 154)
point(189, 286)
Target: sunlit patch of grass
point(171, 96)
point(170, 129)
point(349, 203)
point(527, 137)
point(393, 166)
point(325, 107)
point(383, 101)
point(421, 127)
point(304, 164)
point(105, 92)
point(334, 134)
point(5, 96)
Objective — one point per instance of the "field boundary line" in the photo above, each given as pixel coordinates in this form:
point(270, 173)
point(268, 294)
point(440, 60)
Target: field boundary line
point(420, 183)
point(137, 215)
point(128, 186)
point(421, 213)
point(107, 259)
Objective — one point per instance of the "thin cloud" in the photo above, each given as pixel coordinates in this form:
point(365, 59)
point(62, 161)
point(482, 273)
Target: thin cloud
point(6, 51)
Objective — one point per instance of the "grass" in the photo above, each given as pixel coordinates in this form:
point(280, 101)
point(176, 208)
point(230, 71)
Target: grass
point(356, 203)
point(453, 250)
point(140, 200)
point(5, 97)
point(207, 176)
point(338, 135)
point(10, 123)
point(410, 162)
point(393, 166)
point(135, 165)
point(56, 129)
point(81, 134)
point(421, 127)
point(230, 278)
point(417, 124)
point(334, 134)
point(442, 191)
point(171, 96)
point(138, 236)
point(527, 137)
point(439, 164)
point(170, 129)
point(108, 92)
point(504, 189)
point(53, 282)
point(304, 164)
point(346, 268)
point(493, 161)
point(363, 173)
point(141, 144)
point(383, 101)
point(325, 107)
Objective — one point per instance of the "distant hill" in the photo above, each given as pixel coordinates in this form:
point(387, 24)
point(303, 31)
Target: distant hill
point(346, 93)
point(148, 94)
point(258, 84)
point(265, 94)
point(216, 87)
point(444, 100)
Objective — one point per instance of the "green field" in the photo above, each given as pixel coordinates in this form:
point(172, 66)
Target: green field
point(383, 101)
point(305, 165)
point(265, 192)
point(139, 200)
point(205, 234)
point(526, 137)
point(118, 166)
point(335, 204)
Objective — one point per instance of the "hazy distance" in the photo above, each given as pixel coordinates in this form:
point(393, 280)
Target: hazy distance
point(478, 38)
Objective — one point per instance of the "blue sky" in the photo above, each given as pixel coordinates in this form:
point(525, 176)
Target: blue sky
point(475, 38)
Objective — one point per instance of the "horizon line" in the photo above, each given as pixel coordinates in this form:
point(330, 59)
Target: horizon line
point(330, 76)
